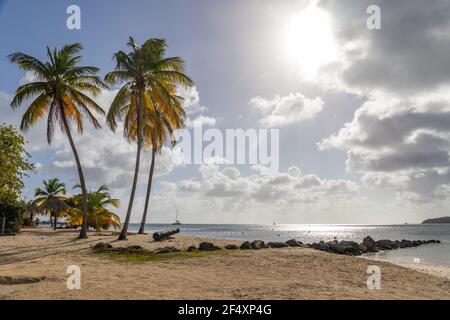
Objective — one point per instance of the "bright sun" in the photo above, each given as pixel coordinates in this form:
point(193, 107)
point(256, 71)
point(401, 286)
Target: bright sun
point(307, 41)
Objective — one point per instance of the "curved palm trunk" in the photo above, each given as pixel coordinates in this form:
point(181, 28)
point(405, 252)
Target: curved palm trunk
point(84, 225)
point(149, 190)
point(123, 233)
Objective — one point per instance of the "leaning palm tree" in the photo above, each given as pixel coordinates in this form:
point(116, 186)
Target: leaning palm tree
point(167, 118)
point(99, 216)
point(144, 74)
point(60, 94)
point(51, 199)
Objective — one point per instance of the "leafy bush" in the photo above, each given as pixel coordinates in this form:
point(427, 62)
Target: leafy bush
point(11, 208)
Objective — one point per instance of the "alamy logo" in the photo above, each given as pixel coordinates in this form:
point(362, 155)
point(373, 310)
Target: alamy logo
point(374, 279)
point(373, 22)
point(74, 280)
point(236, 146)
point(74, 20)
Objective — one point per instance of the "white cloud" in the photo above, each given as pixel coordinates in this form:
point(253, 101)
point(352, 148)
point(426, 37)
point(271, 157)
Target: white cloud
point(399, 138)
point(191, 102)
point(194, 110)
point(280, 188)
point(201, 120)
point(290, 109)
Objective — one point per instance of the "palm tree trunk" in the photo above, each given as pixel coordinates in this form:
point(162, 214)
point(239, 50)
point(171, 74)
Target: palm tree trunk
point(149, 190)
point(54, 224)
point(123, 233)
point(84, 225)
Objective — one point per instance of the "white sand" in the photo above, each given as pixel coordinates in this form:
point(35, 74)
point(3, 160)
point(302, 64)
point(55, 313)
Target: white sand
point(289, 273)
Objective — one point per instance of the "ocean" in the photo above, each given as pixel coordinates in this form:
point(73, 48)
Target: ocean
point(430, 254)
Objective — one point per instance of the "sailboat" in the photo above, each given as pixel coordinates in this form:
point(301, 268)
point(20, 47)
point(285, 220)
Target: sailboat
point(177, 222)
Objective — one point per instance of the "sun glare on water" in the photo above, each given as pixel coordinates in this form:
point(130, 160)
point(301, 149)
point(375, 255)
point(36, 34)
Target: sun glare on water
point(307, 41)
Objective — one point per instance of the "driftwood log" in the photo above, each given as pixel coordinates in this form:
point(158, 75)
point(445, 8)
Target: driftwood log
point(161, 235)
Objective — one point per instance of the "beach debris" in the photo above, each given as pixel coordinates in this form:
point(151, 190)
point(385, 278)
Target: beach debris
point(191, 248)
point(207, 246)
point(162, 235)
point(294, 243)
point(102, 246)
point(277, 245)
point(231, 247)
point(257, 244)
point(168, 249)
point(12, 280)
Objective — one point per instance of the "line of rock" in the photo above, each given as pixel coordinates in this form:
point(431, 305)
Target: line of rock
point(340, 247)
point(368, 245)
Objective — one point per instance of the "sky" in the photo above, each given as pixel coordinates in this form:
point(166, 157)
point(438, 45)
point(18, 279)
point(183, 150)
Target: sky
point(363, 113)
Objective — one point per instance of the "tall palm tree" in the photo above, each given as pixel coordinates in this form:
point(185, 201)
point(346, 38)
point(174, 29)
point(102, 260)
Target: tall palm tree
point(51, 199)
point(144, 73)
point(99, 216)
point(157, 129)
point(60, 93)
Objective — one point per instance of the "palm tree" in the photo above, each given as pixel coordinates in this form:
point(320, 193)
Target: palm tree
point(157, 129)
point(60, 93)
point(31, 209)
point(145, 73)
point(99, 216)
point(51, 199)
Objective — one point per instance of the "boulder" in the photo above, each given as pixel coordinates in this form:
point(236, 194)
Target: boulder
point(323, 246)
point(277, 245)
point(350, 246)
point(167, 250)
point(384, 244)
point(134, 249)
point(191, 248)
point(101, 246)
point(293, 243)
point(207, 246)
point(405, 243)
point(257, 244)
point(246, 246)
point(231, 247)
point(362, 248)
point(336, 247)
point(369, 243)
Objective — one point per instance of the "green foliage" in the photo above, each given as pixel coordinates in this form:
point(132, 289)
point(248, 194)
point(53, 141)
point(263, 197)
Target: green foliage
point(11, 208)
point(99, 216)
point(62, 91)
point(156, 257)
point(52, 199)
point(14, 160)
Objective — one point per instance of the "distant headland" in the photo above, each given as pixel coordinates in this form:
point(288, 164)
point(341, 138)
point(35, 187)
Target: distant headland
point(438, 220)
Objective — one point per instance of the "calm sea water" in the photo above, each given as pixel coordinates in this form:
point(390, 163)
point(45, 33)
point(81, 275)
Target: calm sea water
point(431, 254)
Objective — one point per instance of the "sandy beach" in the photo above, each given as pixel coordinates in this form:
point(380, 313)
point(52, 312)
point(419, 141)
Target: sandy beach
point(288, 273)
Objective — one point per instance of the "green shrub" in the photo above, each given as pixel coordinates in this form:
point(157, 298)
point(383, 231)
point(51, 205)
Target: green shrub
point(11, 208)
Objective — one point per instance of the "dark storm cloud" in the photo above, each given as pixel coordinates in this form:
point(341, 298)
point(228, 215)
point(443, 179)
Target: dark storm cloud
point(409, 54)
